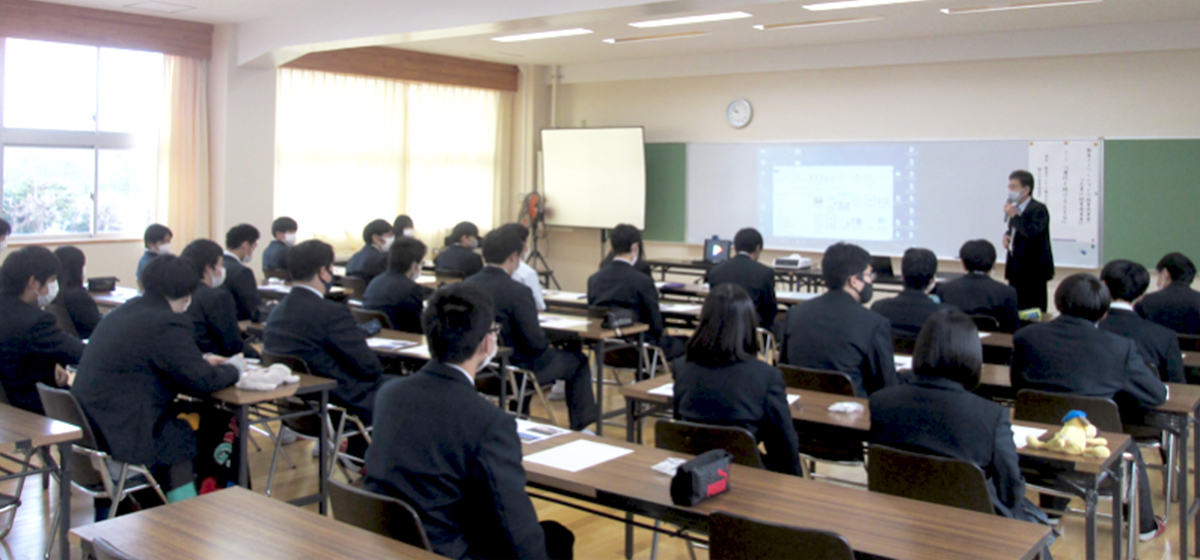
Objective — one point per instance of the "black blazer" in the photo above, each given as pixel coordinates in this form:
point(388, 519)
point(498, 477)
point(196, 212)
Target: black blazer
point(835, 332)
point(1157, 344)
point(617, 284)
point(517, 315)
point(240, 283)
point(141, 357)
point(458, 258)
point(367, 263)
point(325, 335)
point(82, 310)
point(1176, 307)
point(748, 395)
point(398, 297)
point(756, 278)
point(1030, 257)
point(979, 294)
point(907, 312)
point(30, 345)
point(274, 257)
point(462, 472)
point(142, 262)
point(216, 324)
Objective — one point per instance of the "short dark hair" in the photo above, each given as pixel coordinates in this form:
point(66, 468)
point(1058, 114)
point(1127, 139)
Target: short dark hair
point(456, 320)
point(1126, 280)
point(33, 261)
point(519, 230)
point(239, 234)
point(156, 233)
point(306, 259)
point(1083, 295)
point(728, 329)
point(501, 243)
point(841, 262)
point(202, 254)
point(919, 267)
point(978, 255)
point(375, 227)
point(72, 261)
point(461, 229)
point(1023, 177)
point(401, 223)
point(1178, 266)
point(623, 237)
point(5, 228)
point(747, 240)
point(170, 277)
point(949, 348)
point(404, 252)
point(283, 224)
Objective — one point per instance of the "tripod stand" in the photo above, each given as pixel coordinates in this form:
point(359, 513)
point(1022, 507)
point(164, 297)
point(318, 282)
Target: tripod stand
point(536, 258)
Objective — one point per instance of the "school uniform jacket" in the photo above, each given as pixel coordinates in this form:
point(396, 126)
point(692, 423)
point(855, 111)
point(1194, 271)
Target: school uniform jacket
point(240, 283)
point(617, 284)
point(979, 294)
point(274, 257)
point(1157, 344)
point(1176, 307)
point(835, 332)
point(214, 316)
point(756, 278)
point(1030, 257)
point(458, 258)
point(398, 297)
point(30, 345)
point(82, 310)
point(517, 315)
point(907, 312)
point(367, 263)
point(142, 262)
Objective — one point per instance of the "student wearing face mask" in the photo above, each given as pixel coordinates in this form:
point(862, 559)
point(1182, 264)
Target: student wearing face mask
point(525, 274)
point(1030, 264)
point(240, 242)
point(395, 292)
point(283, 230)
point(459, 253)
point(32, 347)
point(213, 310)
point(72, 296)
point(372, 259)
point(403, 227)
point(158, 242)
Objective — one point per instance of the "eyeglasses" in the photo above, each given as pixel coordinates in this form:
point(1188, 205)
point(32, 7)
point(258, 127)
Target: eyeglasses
point(495, 329)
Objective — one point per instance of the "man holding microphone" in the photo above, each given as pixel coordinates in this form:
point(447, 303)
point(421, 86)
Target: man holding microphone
point(1030, 264)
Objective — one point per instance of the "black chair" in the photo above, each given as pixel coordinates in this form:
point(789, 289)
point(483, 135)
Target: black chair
point(1189, 342)
point(104, 550)
point(355, 286)
point(733, 537)
point(367, 315)
point(986, 323)
point(938, 480)
point(279, 273)
point(383, 515)
point(819, 380)
point(813, 447)
point(1049, 408)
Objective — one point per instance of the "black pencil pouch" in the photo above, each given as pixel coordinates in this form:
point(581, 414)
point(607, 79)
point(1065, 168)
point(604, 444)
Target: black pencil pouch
point(701, 478)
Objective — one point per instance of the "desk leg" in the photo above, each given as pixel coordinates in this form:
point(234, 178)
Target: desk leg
point(504, 387)
point(1187, 509)
point(599, 359)
point(1121, 474)
point(1090, 523)
point(1181, 484)
point(631, 422)
point(64, 499)
point(641, 362)
point(243, 439)
point(323, 468)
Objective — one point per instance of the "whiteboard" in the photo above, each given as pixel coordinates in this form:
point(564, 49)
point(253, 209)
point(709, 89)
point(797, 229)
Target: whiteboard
point(1069, 174)
point(594, 177)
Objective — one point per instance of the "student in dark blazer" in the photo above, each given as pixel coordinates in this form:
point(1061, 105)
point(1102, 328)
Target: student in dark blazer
point(745, 271)
point(1175, 305)
point(939, 415)
point(910, 308)
point(619, 285)
point(462, 472)
point(283, 233)
point(517, 316)
point(212, 309)
point(371, 260)
point(73, 297)
point(1071, 355)
point(1127, 281)
point(157, 240)
point(240, 242)
point(1030, 264)
point(720, 379)
point(835, 332)
point(977, 293)
point(141, 357)
point(32, 347)
point(640, 264)
point(323, 333)
point(394, 293)
point(459, 253)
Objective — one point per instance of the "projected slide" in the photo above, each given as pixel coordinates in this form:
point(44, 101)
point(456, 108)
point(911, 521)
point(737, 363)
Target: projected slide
point(833, 202)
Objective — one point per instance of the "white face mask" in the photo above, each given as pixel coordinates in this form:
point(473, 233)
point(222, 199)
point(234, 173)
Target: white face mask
point(289, 239)
point(247, 258)
point(409, 232)
point(51, 293)
point(387, 242)
point(218, 280)
point(1014, 196)
point(164, 249)
point(180, 305)
point(492, 353)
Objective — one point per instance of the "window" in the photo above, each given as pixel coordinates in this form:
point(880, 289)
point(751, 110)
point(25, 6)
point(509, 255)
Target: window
point(79, 137)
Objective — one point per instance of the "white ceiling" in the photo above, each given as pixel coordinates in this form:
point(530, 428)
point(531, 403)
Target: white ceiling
point(207, 11)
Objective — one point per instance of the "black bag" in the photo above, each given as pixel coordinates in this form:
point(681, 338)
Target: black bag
point(616, 318)
point(701, 478)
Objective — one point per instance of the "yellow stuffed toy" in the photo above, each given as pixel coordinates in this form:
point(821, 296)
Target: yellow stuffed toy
point(1077, 437)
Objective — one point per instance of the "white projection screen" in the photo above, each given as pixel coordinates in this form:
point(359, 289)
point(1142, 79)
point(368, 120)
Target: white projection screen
point(594, 177)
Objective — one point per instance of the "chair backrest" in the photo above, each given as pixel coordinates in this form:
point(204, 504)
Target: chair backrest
point(820, 380)
point(694, 439)
point(354, 286)
point(279, 273)
point(63, 319)
point(1050, 408)
point(367, 315)
point(733, 537)
point(105, 550)
point(376, 513)
point(986, 323)
point(61, 405)
point(938, 480)
point(1189, 342)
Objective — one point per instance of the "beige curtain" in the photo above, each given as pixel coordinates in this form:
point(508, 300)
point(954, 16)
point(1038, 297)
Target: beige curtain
point(183, 172)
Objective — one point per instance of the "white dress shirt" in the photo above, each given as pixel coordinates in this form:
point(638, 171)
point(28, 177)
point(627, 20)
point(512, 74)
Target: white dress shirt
point(525, 274)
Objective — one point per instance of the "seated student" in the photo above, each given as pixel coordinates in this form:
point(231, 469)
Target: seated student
point(158, 242)
point(721, 380)
point(462, 472)
point(402, 226)
point(1127, 281)
point(525, 274)
point(517, 317)
point(977, 293)
point(32, 347)
point(1071, 355)
point(5, 231)
point(283, 232)
point(395, 293)
point(744, 270)
point(835, 332)
point(939, 415)
point(371, 260)
point(640, 264)
point(911, 307)
point(212, 309)
point(618, 284)
point(323, 333)
point(73, 297)
point(1175, 305)
point(459, 253)
point(240, 242)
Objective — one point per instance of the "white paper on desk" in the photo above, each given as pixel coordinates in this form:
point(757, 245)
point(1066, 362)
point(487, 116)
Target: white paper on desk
point(376, 343)
point(903, 362)
point(278, 288)
point(792, 399)
point(680, 307)
point(1021, 435)
point(577, 455)
point(667, 390)
point(564, 296)
point(555, 322)
point(796, 295)
point(669, 466)
point(531, 432)
point(420, 350)
point(984, 335)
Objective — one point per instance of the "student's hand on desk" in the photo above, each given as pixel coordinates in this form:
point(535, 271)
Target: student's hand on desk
point(62, 377)
point(214, 359)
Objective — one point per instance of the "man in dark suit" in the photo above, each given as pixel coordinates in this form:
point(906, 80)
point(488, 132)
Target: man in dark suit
point(517, 315)
point(911, 307)
point(744, 270)
point(240, 242)
point(1071, 355)
point(157, 240)
point(212, 309)
point(394, 293)
point(977, 293)
point(835, 332)
point(1030, 264)
point(283, 232)
point(459, 253)
point(1127, 281)
point(462, 472)
point(618, 284)
point(323, 333)
point(1175, 305)
point(371, 260)
point(32, 347)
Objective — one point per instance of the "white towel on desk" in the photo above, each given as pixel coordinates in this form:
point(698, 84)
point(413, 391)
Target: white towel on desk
point(266, 379)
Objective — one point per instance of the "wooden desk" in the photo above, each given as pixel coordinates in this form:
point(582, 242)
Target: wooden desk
point(115, 298)
point(575, 303)
point(23, 431)
point(237, 523)
point(701, 291)
point(276, 292)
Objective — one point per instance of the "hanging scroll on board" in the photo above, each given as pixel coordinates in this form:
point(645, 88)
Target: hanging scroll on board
point(1069, 179)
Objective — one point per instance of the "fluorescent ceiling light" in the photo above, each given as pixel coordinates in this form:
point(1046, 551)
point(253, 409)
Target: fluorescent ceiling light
point(845, 4)
point(656, 37)
point(819, 23)
point(542, 35)
point(1023, 6)
point(162, 7)
point(690, 19)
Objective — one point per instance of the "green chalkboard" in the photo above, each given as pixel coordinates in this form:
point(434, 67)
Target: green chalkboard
point(1151, 199)
point(666, 192)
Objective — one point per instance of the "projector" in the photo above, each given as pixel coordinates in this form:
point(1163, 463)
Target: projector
point(793, 262)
